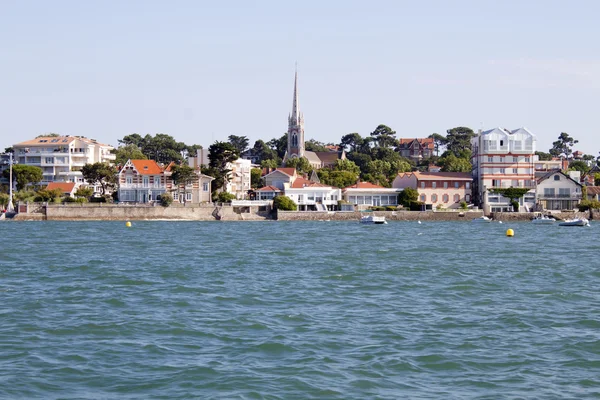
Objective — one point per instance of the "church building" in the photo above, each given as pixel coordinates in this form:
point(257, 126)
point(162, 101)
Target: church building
point(295, 145)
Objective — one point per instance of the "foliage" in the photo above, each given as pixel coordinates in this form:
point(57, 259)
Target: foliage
point(513, 194)
point(69, 199)
point(438, 142)
point(98, 199)
point(239, 142)
point(9, 150)
point(279, 145)
point(464, 205)
point(161, 148)
point(255, 178)
point(24, 195)
point(300, 163)
point(563, 147)
point(451, 163)
point(384, 136)
point(24, 175)
point(543, 156)
point(269, 164)
point(408, 196)
point(225, 197)
point(346, 165)
point(220, 154)
point(3, 200)
point(579, 165)
point(313, 145)
point(81, 200)
point(458, 140)
point(100, 174)
point(284, 203)
point(52, 195)
point(597, 179)
point(416, 205)
point(183, 175)
point(263, 152)
point(586, 205)
point(166, 199)
point(515, 205)
point(340, 179)
point(352, 142)
point(48, 135)
point(84, 191)
point(128, 152)
point(391, 208)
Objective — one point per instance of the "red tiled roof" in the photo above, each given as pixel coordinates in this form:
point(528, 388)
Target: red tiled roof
point(432, 176)
point(268, 189)
point(299, 183)
point(364, 185)
point(287, 171)
point(66, 187)
point(424, 142)
point(147, 167)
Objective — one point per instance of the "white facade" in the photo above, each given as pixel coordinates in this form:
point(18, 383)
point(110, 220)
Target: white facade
point(317, 197)
point(503, 159)
point(239, 178)
point(557, 191)
point(62, 157)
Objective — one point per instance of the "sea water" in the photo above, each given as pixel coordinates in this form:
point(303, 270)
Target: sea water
point(298, 310)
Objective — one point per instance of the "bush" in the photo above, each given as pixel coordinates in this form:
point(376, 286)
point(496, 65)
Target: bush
point(69, 199)
point(284, 203)
point(515, 205)
point(408, 196)
point(98, 200)
point(416, 205)
point(464, 205)
point(165, 199)
point(81, 200)
point(391, 208)
point(585, 205)
point(378, 208)
point(224, 197)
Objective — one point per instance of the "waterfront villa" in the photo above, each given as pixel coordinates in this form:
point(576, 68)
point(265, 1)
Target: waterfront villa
point(502, 159)
point(438, 189)
point(366, 194)
point(558, 191)
point(312, 196)
point(67, 188)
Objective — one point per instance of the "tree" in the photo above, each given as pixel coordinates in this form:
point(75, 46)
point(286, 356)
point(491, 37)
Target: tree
point(597, 179)
point(313, 145)
point(3, 200)
point(563, 147)
point(458, 140)
point(128, 152)
point(384, 136)
point(225, 197)
point(255, 178)
point(408, 196)
point(513, 194)
point(264, 152)
point(25, 175)
point(100, 174)
point(300, 163)
point(543, 156)
point(84, 191)
point(161, 148)
point(166, 199)
point(49, 195)
point(284, 203)
point(220, 154)
point(183, 175)
point(9, 150)
point(346, 165)
point(337, 178)
point(351, 142)
point(239, 142)
point(438, 141)
point(451, 163)
point(51, 134)
point(578, 165)
point(279, 145)
point(269, 164)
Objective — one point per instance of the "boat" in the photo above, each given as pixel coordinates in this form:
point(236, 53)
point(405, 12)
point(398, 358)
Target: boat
point(483, 218)
point(372, 219)
point(575, 222)
point(543, 219)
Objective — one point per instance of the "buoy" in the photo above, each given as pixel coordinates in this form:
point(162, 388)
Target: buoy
point(128, 224)
point(419, 221)
point(510, 233)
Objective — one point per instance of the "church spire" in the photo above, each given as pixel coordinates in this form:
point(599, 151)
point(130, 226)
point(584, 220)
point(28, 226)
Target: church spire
point(295, 105)
point(295, 126)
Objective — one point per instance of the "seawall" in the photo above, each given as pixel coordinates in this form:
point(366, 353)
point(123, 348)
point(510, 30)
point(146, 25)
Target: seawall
point(389, 215)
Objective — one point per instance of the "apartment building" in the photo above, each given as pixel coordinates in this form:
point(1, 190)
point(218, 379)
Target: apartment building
point(503, 158)
point(239, 178)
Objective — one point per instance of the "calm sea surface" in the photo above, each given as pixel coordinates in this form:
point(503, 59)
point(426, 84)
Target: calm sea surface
point(298, 310)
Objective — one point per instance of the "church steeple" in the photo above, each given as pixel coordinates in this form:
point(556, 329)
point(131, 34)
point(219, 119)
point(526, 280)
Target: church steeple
point(295, 126)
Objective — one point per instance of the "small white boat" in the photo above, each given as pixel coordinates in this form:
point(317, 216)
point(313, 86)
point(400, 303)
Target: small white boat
point(483, 218)
point(543, 219)
point(575, 222)
point(372, 219)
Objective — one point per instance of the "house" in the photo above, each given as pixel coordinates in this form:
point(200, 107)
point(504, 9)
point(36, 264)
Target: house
point(502, 159)
point(267, 192)
point(312, 196)
point(416, 149)
point(593, 192)
point(67, 188)
point(195, 192)
point(445, 189)
point(62, 157)
point(367, 194)
point(279, 177)
point(558, 191)
point(548, 165)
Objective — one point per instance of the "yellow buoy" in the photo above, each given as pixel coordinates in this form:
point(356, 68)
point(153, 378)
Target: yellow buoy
point(510, 232)
point(128, 224)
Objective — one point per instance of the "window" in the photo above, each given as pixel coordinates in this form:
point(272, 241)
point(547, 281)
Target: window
point(422, 185)
point(176, 196)
point(188, 197)
point(492, 144)
point(445, 198)
point(518, 145)
point(490, 159)
point(129, 180)
point(434, 184)
point(501, 143)
point(456, 198)
point(548, 192)
point(49, 160)
point(434, 198)
point(146, 181)
point(515, 170)
point(468, 198)
point(566, 192)
point(455, 185)
point(157, 181)
point(515, 159)
point(526, 159)
point(205, 187)
point(501, 159)
point(445, 185)
point(557, 177)
point(468, 185)
point(423, 198)
point(502, 170)
point(496, 183)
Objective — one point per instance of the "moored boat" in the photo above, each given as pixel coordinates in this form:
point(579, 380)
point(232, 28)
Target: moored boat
point(543, 219)
point(372, 219)
point(575, 222)
point(481, 219)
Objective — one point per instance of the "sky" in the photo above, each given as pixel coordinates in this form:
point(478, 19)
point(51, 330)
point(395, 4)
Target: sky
point(201, 71)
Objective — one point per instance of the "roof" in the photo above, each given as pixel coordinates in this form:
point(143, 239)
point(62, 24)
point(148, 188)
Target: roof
point(57, 140)
point(147, 167)
point(553, 172)
point(435, 176)
point(287, 171)
point(312, 157)
point(268, 189)
point(364, 185)
point(300, 183)
point(328, 157)
point(424, 142)
point(593, 190)
point(66, 187)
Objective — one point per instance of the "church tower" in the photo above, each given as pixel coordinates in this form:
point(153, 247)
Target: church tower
point(295, 147)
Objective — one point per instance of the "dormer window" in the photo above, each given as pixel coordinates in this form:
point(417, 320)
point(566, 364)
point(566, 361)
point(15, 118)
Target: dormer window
point(557, 177)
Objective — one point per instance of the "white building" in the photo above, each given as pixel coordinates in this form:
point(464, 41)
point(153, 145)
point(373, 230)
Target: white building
point(502, 159)
point(312, 196)
point(366, 194)
point(558, 191)
point(239, 178)
point(62, 157)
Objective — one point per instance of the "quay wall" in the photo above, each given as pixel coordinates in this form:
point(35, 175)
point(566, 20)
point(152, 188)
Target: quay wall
point(517, 216)
point(389, 215)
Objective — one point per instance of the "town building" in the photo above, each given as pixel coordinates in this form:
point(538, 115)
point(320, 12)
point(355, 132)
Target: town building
point(558, 191)
point(67, 188)
point(62, 157)
point(239, 182)
point(416, 149)
point(296, 143)
point(438, 189)
point(201, 159)
point(502, 159)
point(366, 194)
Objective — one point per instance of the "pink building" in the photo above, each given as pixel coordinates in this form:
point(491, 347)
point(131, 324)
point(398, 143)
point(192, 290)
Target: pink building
point(445, 189)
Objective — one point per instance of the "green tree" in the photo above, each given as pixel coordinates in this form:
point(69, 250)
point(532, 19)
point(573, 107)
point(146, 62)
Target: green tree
point(384, 136)
point(438, 142)
point(166, 199)
point(220, 154)
point(352, 142)
point(161, 147)
point(408, 196)
point(100, 174)
point(9, 150)
point(84, 191)
point(314, 145)
point(279, 145)
point(543, 156)
point(458, 140)
point(3, 200)
point(48, 135)
point(597, 179)
point(346, 165)
point(284, 203)
point(337, 178)
point(225, 197)
point(183, 175)
point(451, 163)
point(300, 163)
point(255, 178)
point(128, 152)
point(269, 164)
point(49, 195)
point(264, 152)
point(513, 194)
point(563, 147)
point(239, 142)
point(25, 175)
point(578, 165)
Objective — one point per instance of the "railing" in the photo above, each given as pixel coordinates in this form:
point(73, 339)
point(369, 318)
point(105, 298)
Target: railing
point(140, 186)
point(251, 202)
point(571, 196)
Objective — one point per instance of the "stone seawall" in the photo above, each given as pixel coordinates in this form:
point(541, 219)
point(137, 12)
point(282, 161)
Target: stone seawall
point(117, 213)
point(518, 216)
point(389, 215)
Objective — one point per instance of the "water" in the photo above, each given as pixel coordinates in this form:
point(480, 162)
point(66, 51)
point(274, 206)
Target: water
point(298, 310)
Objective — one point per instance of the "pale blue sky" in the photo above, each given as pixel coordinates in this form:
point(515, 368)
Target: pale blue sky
point(201, 71)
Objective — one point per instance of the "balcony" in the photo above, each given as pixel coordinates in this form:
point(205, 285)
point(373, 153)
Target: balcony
point(558, 196)
point(141, 186)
